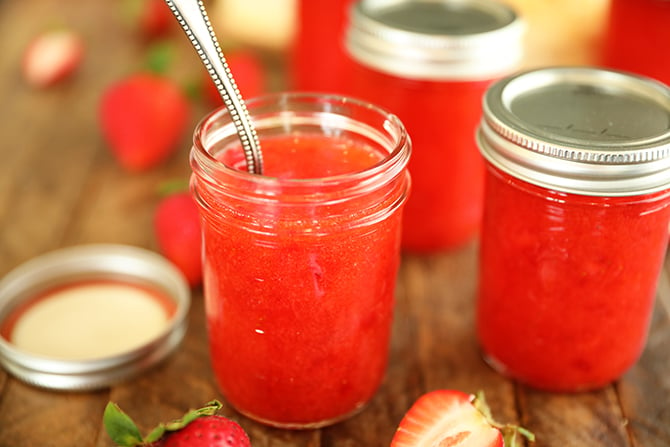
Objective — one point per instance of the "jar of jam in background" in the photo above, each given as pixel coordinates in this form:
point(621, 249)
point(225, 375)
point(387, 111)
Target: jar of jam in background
point(637, 37)
point(430, 62)
point(317, 59)
point(575, 225)
point(300, 263)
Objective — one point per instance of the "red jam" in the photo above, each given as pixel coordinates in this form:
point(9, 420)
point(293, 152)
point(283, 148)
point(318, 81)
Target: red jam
point(300, 299)
point(637, 37)
point(444, 210)
point(567, 282)
point(318, 61)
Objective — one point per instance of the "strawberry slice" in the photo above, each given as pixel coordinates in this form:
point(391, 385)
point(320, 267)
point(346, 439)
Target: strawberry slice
point(51, 57)
point(451, 418)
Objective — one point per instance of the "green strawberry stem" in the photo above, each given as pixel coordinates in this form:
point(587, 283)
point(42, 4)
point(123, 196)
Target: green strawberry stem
point(173, 186)
point(513, 435)
point(160, 57)
point(124, 432)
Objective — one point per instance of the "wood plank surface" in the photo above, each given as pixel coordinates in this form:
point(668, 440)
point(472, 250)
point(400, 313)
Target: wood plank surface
point(59, 186)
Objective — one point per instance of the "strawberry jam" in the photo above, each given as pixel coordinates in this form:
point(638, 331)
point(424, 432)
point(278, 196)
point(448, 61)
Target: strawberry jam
point(430, 63)
point(637, 37)
point(300, 262)
point(575, 226)
point(317, 59)
point(568, 282)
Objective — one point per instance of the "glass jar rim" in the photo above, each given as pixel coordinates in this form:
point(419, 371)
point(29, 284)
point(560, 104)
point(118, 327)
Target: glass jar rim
point(395, 132)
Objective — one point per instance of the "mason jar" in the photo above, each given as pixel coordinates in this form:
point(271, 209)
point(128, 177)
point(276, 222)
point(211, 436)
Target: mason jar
point(300, 262)
point(637, 37)
point(430, 62)
point(317, 60)
point(575, 223)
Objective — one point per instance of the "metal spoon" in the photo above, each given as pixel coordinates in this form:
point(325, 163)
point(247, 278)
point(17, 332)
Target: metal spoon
point(192, 17)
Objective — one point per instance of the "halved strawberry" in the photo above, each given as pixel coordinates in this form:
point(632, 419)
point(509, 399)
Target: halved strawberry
point(451, 418)
point(52, 56)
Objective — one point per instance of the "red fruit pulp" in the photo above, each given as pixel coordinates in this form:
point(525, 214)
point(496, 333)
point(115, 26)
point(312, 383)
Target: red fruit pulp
point(444, 210)
point(299, 301)
point(567, 282)
point(637, 38)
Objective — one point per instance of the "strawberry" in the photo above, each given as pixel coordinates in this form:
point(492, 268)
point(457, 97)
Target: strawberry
point(197, 428)
point(249, 73)
point(155, 19)
point(51, 57)
point(143, 117)
point(211, 431)
point(177, 229)
point(455, 419)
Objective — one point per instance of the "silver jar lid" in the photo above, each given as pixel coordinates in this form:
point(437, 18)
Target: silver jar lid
point(45, 277)
point(580, 130)
point(436, 39)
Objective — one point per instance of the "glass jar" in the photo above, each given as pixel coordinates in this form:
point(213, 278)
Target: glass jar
point(430, 63)
point(300, 263)
point(637, 37)
point(318, 61)
point(575, 223)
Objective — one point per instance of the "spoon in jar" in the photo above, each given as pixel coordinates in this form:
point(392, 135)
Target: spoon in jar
point(193, 19)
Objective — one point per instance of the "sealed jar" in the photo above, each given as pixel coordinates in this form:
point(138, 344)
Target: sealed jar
point(300, 263)
point(575, 223)
point(637, 37)
point(430, 62)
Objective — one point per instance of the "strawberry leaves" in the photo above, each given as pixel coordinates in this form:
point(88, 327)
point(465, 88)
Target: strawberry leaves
point(125, 433)
point(513, 435)
point(120, 427)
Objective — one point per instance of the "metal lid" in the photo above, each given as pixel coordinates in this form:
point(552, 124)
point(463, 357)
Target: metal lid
point(29, 282)
point(436, 39)
point(580, 130)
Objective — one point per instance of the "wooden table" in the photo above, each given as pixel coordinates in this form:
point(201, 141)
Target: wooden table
point(59, 186)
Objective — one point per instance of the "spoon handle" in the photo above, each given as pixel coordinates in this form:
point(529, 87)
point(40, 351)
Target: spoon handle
point(193, 19)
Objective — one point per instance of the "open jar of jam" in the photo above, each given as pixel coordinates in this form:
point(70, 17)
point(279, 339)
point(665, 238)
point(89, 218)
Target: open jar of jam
point(300, 263)
point(430, 62)
point(575, 224)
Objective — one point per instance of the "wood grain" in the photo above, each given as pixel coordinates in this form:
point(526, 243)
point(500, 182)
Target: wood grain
point(59, 186)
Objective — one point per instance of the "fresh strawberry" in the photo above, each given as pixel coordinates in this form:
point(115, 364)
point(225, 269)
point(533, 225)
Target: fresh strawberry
point(52, 56)
point(177, 229)
point(198, 428)
point(250, 76)
point(155, 19)
point(143, 117)
point(455, 419)
point(210, 431)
